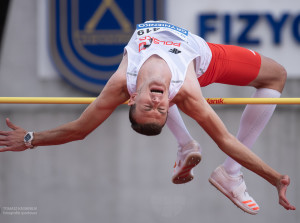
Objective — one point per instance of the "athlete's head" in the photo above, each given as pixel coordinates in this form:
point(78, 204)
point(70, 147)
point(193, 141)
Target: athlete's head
point(150, 103)
point(149, 109)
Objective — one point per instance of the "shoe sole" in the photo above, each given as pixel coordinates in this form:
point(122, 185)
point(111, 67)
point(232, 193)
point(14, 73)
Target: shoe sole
point(234, 201)
point(184, 175)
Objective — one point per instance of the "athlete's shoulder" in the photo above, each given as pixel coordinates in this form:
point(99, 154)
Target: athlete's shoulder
point(119, 77)
point(116, 88)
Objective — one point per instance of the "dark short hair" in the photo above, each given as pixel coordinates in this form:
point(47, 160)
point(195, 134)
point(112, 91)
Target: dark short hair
point(149, 129)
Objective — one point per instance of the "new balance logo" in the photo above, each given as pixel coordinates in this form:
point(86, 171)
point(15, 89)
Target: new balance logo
point(175, 51)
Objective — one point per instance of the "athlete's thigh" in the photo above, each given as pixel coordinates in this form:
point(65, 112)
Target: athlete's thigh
point(240, 66)
point(271, 75)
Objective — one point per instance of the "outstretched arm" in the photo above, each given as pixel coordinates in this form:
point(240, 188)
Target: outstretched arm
point(113, 94)
point(191, 101)
point(236, 150)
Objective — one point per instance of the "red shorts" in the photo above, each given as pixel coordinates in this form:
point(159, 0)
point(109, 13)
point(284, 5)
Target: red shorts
point(231, 65)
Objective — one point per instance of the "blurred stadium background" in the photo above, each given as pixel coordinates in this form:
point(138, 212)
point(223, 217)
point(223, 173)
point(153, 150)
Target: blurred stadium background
point(115, 175)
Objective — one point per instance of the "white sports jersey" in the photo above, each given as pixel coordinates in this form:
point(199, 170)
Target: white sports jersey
point(177, 46)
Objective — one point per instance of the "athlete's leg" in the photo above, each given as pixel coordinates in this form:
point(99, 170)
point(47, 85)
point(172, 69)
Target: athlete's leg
point(269, 83)
point(245, 67)
point(188, 154)
point(177, 127)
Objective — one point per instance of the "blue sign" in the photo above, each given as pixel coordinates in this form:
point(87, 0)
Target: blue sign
point(209, 23)
point(87, 38)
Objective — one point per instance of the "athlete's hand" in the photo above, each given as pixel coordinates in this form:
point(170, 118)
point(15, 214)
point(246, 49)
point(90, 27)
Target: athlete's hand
point(282, 185)
point(12, 140)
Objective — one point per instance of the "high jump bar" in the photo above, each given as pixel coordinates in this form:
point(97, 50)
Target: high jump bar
point(88, 100)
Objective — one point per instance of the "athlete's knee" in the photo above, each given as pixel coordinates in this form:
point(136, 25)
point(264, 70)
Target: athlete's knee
point(273, 75)
point(281, 76)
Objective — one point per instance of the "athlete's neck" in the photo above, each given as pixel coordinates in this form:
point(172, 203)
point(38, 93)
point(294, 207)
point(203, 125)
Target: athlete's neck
point(154, 69)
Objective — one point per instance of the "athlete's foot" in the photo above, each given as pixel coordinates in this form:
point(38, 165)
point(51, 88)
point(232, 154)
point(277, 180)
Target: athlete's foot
point(235, 189)
point(187, 158)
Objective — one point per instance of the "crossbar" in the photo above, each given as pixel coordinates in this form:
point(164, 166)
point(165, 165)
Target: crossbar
point(88, 100)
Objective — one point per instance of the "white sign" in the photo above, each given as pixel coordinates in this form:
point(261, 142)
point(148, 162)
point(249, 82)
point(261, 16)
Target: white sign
point(270, 27)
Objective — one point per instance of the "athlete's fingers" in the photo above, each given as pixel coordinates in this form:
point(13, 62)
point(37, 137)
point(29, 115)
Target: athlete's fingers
point(13, 148)
point(11, 125)
point(286, 204)
point(4, 133)
point(282, 188)
point(3, 143)
point(282, 192)
point(5, 149)
point(3, 138)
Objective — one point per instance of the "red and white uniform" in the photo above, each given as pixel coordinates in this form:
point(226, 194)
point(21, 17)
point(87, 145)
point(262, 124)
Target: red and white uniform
point(175, 45)
point(215, 63)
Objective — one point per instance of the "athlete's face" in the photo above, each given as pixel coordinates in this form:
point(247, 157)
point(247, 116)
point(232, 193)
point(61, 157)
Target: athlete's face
point(151, 102)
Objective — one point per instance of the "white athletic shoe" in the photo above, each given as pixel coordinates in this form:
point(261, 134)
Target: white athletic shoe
point(187, 158)
point(235, 189)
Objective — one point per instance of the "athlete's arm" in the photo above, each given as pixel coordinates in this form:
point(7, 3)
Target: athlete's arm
point(113, 94)
point(191, 101)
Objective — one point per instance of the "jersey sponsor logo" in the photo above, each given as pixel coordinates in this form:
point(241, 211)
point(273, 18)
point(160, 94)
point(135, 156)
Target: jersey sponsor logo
point(175, 51)
point(152, 27)
point(87, 40)
point(252, 52)
point(148, 40)
point(155, 25)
